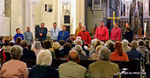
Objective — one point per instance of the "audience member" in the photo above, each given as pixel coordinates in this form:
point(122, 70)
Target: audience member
point(133, 53)
point(2, 39)
point(95, 56)
point(144, 51)
point(48, 45)
point(14, 68)
point(71, 69)
point(37, 47)
point(66, 48)
point(26, 52)
point(97, 43)
point(82, 53)
point(103, 68)
point(6, 47)
point(43, 69)
point(125, 46)
point(58, 53)
point(111, 46)
point(69, 40)
point(18, 40)
point(61, 42)
point(119, 55)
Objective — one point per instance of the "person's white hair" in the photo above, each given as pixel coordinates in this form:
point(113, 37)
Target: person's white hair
point(78, 42)
point(44, 58)
point(125, 43)
point(93, 41)
point(78, 38)
point(79, 49)
point(37, 45)
point(104, 54)
point(56, 46)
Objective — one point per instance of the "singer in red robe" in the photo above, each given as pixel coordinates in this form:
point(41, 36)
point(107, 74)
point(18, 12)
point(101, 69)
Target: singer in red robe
point(102, 32)
point(85, 35)
point(115, 33)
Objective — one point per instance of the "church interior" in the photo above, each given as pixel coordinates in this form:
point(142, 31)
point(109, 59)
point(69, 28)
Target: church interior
point(92, 38)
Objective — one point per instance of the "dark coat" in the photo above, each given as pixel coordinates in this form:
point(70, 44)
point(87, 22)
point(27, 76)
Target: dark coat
point(43, 72)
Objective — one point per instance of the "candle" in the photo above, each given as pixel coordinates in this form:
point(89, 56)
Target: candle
point(144, 29)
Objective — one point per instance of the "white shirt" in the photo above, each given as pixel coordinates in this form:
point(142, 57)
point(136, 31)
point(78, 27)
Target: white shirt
point(54, 33)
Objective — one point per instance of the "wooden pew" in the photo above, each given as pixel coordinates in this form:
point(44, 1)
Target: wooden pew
point(132, 66)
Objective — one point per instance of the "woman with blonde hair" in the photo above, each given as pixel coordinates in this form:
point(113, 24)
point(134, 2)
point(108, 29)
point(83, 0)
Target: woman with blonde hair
point(95, 56)
point(97, 43)
point(58, 53)
point(119, 55)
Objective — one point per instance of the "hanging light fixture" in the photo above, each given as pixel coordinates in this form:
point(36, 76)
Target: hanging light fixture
point(36, 1)
point(127, 2)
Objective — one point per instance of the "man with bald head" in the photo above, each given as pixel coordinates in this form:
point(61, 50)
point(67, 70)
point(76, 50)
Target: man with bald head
point(85, 36)
point(28, 36)
point(71, 69)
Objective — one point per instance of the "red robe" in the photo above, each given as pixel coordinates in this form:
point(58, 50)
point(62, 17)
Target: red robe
point(85, 35)
point(102, 33)
point(115, 34)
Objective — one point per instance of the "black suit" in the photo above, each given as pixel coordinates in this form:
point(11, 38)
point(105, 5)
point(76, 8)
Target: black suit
point(28, 53)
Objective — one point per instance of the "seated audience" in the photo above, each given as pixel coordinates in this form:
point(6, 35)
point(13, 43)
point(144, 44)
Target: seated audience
point(147, 44)
point(111, 46)
point(95, 56)
point(144, 51)
point(48, 45)
point(125, 46)
point(14, 68)
point(6, 47)
point(81, 43)
point(66, 48)
point(71, 42)
point(119, 55)
point(82, 53)
point(58, 53)
point(133, 53)
point(71, 69)
point(37, 47)
point(97, 43)
point(92, 45)
point(103, 68)
point(12, 44)
point(43, 69)
point(26, 52)
point(2, 56)
point(61, 42)
point(2, 39)
point(18, 41)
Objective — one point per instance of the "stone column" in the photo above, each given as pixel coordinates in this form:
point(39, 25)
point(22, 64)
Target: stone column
point(2, 32)
point(29, 15)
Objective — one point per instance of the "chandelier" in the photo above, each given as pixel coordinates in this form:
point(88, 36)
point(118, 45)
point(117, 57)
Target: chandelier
point(127, 2)
point(65, 2)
